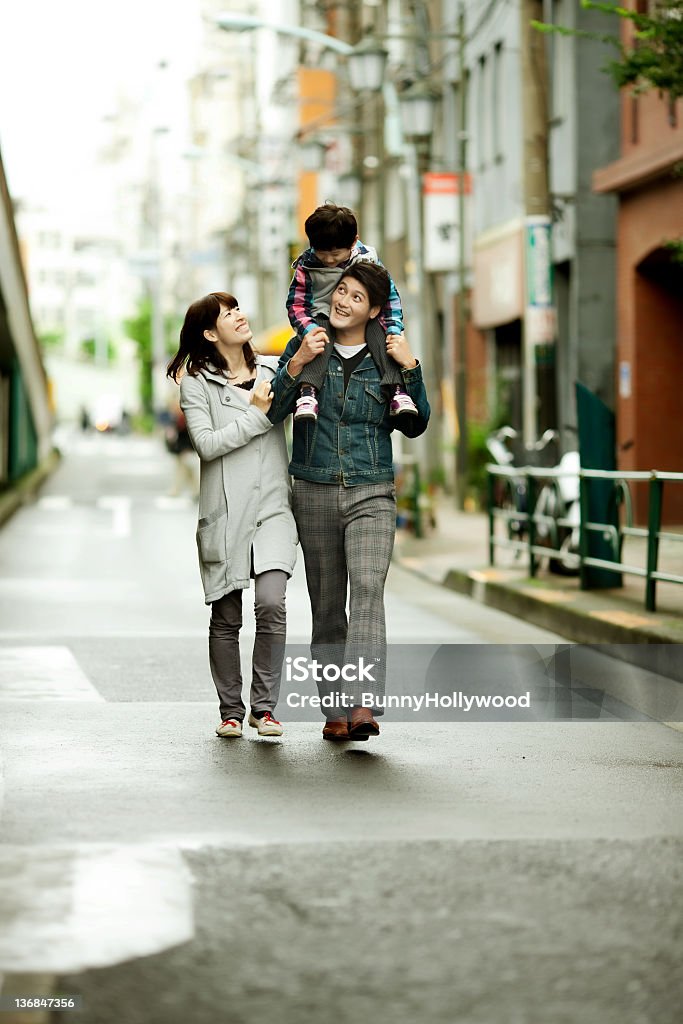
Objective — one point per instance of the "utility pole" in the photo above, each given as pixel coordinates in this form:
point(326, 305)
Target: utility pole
point(158, 341)
point(538, 345)
point(462, 446)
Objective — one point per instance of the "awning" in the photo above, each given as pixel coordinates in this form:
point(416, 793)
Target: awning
point(273, 340)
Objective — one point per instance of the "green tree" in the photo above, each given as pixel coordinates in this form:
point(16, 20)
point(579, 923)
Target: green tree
point(139, 329)
point(89, 349)
point(51, 339)
point(654, 58)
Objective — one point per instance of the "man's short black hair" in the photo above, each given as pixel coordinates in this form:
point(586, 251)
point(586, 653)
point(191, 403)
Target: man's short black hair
point(374, 279)
point(331, 227)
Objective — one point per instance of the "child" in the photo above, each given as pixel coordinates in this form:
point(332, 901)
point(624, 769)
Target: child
point(334, 246)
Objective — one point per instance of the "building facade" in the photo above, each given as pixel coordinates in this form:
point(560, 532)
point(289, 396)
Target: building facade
point(25, 414)
point(581, 127)
point(647, 180)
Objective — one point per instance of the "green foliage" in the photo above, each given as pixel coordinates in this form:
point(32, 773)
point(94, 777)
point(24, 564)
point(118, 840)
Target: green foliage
point(143, 423)
point(477, 457)
point(675, 248)
point(51, 339)
point(90, 347)
point(655, 58)
point(139, 329)
point(172, 325)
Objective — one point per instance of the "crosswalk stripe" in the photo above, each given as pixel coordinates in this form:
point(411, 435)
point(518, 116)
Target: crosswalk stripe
point(163, 502)
point(43, 673)
point(55, 503)
point(168, 503)
point(120, 509)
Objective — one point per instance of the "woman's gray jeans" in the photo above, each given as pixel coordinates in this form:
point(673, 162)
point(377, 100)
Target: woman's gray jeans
point(269, 646)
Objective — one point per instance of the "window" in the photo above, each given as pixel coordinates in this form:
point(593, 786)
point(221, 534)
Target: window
point(483, 113)
point(498, 149)
point(49, 239)
point(635, 111)
point(673, 113)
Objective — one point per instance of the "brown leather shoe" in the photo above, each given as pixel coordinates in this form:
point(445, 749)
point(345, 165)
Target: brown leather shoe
point(336, 730)
point(362, 724)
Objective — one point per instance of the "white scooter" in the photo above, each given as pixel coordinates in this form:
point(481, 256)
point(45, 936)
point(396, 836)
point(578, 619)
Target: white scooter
point(557, 511)
point(558, 516)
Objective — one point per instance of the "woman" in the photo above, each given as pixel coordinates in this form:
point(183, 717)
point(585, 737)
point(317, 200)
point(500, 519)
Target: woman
point(246, 528)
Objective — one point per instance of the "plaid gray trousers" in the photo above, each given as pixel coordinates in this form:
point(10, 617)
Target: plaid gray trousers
point(347, 536)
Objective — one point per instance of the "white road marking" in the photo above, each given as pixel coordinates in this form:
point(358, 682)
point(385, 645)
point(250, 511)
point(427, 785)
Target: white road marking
point(62, 589)
point(147, 468)
point(116, 448)
point(66, 911)
point(120, 507)
point(169, 503)
point(120, 634)
point(55, 503)
point(164, 502)
point(43, 673)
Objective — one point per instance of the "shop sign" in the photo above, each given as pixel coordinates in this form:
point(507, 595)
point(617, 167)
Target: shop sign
point(540, 314)
point(441, 220)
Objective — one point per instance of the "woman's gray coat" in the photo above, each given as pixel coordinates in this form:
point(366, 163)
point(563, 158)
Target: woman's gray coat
point(245, 490)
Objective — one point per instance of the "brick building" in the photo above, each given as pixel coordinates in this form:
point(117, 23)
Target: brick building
point(648, 179)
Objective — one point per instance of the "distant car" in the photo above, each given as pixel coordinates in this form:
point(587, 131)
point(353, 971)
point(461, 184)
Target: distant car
point(107, 413)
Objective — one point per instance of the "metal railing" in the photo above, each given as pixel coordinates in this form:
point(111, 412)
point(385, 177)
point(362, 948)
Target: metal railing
point(534, 479)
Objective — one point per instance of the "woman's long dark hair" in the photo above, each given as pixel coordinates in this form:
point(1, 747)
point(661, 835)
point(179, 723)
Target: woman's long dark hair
point(195, 352)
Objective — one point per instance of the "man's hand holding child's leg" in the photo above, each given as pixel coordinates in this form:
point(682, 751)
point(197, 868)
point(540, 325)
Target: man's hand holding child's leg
point(312, 346)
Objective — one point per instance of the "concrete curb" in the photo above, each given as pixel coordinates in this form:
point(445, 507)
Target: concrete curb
point(25, 489)
point(575, 623)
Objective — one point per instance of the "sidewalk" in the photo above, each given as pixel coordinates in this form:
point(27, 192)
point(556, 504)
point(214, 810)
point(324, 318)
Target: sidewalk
point(455, 555)
point(25, 489)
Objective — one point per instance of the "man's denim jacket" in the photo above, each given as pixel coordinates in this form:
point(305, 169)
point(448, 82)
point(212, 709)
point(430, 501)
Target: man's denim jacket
point(349, 443)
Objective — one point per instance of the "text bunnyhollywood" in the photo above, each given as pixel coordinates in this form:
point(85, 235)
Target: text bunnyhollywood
point(413, 702)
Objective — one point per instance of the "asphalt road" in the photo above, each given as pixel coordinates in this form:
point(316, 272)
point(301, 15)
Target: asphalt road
point(469, 872)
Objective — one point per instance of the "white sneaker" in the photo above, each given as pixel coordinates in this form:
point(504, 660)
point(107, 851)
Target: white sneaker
point(267, 725)
point(230, 727)
point(306, 408)
point(402, 403)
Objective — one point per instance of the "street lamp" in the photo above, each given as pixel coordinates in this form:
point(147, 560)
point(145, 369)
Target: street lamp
point(246, 23)
point(367, 65)
point(312, 153)
point(417, 105)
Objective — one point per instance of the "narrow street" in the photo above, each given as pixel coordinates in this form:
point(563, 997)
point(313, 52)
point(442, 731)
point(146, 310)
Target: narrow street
point(484, 871)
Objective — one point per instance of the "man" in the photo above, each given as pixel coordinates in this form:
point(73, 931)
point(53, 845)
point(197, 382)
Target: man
point(344, 499)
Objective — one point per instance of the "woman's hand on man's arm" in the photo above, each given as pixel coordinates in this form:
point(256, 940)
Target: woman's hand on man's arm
point(262, 396)
point(208, 442)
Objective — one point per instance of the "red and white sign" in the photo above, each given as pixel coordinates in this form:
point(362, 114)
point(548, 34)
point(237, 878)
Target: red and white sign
point(441, 219)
